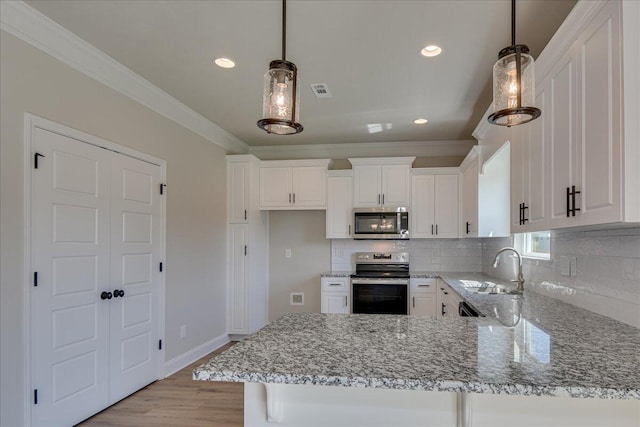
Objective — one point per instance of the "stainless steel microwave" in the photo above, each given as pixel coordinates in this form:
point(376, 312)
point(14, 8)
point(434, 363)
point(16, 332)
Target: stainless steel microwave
point(381, 223)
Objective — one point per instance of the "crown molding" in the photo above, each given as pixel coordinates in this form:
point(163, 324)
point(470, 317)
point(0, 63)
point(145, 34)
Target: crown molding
point(29, 25)
point(365, 149)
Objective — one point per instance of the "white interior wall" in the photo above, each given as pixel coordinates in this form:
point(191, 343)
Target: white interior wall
point(32, 81)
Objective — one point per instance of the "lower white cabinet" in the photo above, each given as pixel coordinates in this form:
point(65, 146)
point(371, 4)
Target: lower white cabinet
point(422, 293)
point(335, 298)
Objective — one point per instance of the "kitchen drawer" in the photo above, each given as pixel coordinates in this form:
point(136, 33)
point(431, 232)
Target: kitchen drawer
point(335, 284)
point(423, 286)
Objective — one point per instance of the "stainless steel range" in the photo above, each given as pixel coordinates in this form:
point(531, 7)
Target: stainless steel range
point(380, 283)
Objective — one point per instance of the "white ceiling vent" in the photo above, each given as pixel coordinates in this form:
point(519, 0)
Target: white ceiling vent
point(321, 90)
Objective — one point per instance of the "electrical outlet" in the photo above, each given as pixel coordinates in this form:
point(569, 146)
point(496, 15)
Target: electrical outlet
point(287, 253)
point(565, 266)
point(183, 331)
point(296, 298)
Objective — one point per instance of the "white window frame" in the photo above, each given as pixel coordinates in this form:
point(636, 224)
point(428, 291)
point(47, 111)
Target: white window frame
point(522, 243)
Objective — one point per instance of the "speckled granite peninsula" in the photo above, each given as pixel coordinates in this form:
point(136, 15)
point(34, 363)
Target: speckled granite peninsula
point(555, 349)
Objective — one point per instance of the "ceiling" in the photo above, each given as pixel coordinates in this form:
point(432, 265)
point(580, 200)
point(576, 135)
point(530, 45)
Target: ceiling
point(368, 52)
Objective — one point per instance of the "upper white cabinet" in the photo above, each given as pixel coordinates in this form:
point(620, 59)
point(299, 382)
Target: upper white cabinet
point(238, 188)
point(381, 182)
point(528, 172)
point(577, 164)
point(293, 184)
point(434, 203)
point(339, 204)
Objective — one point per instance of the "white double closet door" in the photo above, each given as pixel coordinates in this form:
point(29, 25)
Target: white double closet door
point(96, 224)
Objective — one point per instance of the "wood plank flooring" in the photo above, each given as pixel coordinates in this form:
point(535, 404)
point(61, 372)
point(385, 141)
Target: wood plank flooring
point(177, 401)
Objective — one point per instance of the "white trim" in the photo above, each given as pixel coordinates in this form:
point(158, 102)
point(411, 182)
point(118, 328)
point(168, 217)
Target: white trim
point(472, 157)
point(185, 359)
point(382, 161)
point(32, 122)
point(340, 173)
point(435, 171)
point(31, 26)
point(325, 163)
point(355, 149)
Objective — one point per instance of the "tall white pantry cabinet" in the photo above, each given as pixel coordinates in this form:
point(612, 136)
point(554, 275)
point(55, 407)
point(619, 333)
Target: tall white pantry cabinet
point(247, 247)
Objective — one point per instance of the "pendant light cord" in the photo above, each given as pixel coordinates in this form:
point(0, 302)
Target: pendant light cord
point(284, 29)
point(513, 22)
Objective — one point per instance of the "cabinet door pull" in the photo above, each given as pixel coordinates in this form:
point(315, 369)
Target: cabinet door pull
point(289, 197)
point(568, 204)
point(346, 301)
point(424, 285)
point(442, 309)
point(468, 225)
point(414, 302)
point(335, 284)
point(383, 198)
point(245, 250)
point(573, 200)
point(432, 229)
point(245, 214)
point(524, 216)
point(349, 229)
point(294, 198)
point(378, 199)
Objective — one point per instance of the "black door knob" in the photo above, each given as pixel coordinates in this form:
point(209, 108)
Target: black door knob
point(105, 295)
point(118, 293)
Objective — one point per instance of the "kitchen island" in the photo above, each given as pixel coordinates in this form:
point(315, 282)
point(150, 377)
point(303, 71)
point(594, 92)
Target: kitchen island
point(532, 360)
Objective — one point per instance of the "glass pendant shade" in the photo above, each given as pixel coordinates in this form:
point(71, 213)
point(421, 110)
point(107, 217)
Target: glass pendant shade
point(280, 101)
point(514, 87)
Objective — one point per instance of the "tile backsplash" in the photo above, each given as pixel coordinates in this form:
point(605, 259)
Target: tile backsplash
point(607, 276)
point(426, 254)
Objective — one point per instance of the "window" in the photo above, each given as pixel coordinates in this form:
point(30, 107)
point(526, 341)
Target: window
point(534, 245)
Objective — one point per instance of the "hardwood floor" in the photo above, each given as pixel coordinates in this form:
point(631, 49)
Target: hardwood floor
point(177, 401)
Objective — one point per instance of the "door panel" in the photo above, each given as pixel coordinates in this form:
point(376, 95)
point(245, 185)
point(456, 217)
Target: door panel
point(446, 206)
point(366, 186)
point(275, 187)
point(69, 321)
point(238, 176)
point(310, 187)
point(395, 185)
point(238, 269)
point(135, 258)
point(422, 215)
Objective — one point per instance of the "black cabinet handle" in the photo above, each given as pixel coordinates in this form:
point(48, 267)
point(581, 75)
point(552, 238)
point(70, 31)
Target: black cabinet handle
point(432, 229)
point(442, 309)
point(346, 301)
point(245, 214)
point(573, 200)
point(524, 216)
point(294, 197)
point(106, 295)
point(436, 229)
point(383, 198)
point(468, 225)
point(349, 229)
point(414, 302)
point(379, 199)
point(568, 204)
point(289, 197)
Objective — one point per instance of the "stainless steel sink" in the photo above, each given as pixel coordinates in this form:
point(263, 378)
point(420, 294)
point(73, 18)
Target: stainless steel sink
point(493, 290)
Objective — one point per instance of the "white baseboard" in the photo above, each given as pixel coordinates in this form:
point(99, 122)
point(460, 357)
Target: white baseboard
point(185, 359)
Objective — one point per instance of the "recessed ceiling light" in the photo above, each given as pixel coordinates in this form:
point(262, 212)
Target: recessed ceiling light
point(225, 63)
point(431, 50)
point(420, 121)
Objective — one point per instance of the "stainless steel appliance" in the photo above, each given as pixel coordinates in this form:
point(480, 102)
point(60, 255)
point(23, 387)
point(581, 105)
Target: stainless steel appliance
point(381, 223)
point(380, 283)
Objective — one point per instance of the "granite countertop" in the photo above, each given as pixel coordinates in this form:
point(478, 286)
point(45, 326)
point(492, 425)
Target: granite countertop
point(527, 345)
point(337, 274)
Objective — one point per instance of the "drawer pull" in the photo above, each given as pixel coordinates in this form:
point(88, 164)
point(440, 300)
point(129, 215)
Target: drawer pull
point(426, 285)
point(335, 284)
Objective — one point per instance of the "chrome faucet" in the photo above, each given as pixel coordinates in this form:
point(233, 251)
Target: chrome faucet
point(520, 280)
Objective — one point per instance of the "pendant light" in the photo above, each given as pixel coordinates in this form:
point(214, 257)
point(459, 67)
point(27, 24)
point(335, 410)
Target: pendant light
point(514, 83)
point(280, 99)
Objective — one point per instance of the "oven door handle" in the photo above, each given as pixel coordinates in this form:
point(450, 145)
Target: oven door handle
point(379, 281)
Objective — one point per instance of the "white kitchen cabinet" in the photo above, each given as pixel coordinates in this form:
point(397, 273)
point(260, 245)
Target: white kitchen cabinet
point(381, 182)
point(339, 204)
point(594, 142)
point(247, 248)
point(422, 293)
point(528, 167)
point(293, 184)
point(484, 200)
point(334, 295)
point(434, 203)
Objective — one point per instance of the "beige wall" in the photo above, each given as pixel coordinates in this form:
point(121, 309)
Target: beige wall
point(419, 162)
point(304, 233)
point(32, 81)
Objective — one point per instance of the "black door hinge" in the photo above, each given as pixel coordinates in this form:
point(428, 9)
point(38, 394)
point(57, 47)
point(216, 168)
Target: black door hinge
point(35, 396)
point(35, 160)
point(160, 267)
point(162, 188)
point(160, 345)
point(35, 278)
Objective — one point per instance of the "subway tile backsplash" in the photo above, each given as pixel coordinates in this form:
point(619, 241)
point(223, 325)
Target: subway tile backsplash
point(426, 254)
point(607, 277)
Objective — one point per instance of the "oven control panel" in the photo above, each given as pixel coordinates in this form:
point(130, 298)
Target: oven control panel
point(382, 257)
